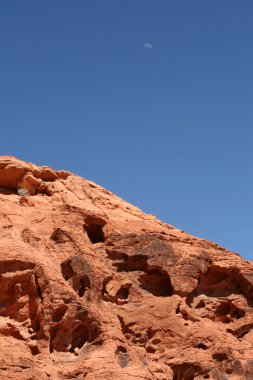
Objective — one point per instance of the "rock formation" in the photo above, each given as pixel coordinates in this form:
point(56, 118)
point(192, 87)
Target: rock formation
point(92, 288)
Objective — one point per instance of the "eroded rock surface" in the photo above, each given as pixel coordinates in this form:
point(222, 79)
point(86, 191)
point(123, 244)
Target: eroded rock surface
point(93, 288)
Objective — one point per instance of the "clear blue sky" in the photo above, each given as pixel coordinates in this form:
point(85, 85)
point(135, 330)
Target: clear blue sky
point(169, 129)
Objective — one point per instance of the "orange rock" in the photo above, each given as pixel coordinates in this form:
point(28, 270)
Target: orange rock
point(93, 288)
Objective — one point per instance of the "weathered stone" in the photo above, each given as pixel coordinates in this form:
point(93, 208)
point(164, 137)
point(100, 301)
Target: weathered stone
point(93, 288)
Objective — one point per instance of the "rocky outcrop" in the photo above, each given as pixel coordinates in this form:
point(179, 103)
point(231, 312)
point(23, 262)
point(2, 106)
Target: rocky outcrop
point(93, 288)
point(27, 179)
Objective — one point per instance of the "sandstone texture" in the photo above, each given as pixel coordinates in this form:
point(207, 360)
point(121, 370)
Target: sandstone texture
point(93, 288)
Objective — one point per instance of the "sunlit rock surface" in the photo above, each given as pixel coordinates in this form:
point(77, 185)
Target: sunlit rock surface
point(93, 288)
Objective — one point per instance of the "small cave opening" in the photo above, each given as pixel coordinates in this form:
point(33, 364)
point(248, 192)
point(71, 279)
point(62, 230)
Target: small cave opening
point(157, 282)
point(36, 322)
point(185, 371)
point(122, 293)
point(216, 275)
point(125, 263)
point(227, 312)
point(45, 191)
point(63, 338)
point(67, 270)
point(150, 349)
point(237, 313)
point(95, 233)
point(7, 190)
point(151, 333)
point(15, 266)
point(59, 313)
point(121, 350)
point(220, 357)
point(201, 346)
point(223, 309)
point(216, 282)
point(81, 284)
point(121, 354)
point(134, 263)
point(34, 350)
point(200, 305)
point(80, 336)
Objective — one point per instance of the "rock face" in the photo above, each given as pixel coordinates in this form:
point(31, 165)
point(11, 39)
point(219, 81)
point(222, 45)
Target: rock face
point(93, 288)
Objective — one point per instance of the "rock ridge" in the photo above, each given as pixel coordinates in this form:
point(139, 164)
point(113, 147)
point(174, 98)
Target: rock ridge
point(93, 288)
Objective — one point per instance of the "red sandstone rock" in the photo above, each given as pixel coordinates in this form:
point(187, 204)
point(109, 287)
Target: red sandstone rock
point(93, 288)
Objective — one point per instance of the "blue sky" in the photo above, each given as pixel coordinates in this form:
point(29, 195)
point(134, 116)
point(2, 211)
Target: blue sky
point(169, 129)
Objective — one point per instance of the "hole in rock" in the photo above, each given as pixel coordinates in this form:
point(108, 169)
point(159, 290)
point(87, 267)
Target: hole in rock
point(35, 320)
point(66, 339)
point(7, 191)
point(122, 293)
point(81, 284)
point(67, 270)
point(95, 233)
point(19, 298)
point(182, 373)
point(150, 349)
point(157, 282)
point(38, 287)
point(151, 333)
point(44, 192)
point(184, 315)
point(215, 275)
point(116, 255)
point(15, 266)
point(216, 282)
point(223, 309)
point(227, 312)
point(238, 313)
point(201, 346)
point(120, 350)
point(139, 340)
point(220, 357)
point(132, 263)
point(59, 313)
point(59, 236)
point(34, 350)
point(68, 300)
point(121, 354)
point(200, 305)
point(156, 341)
point(12, 332)
point(79, 337)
